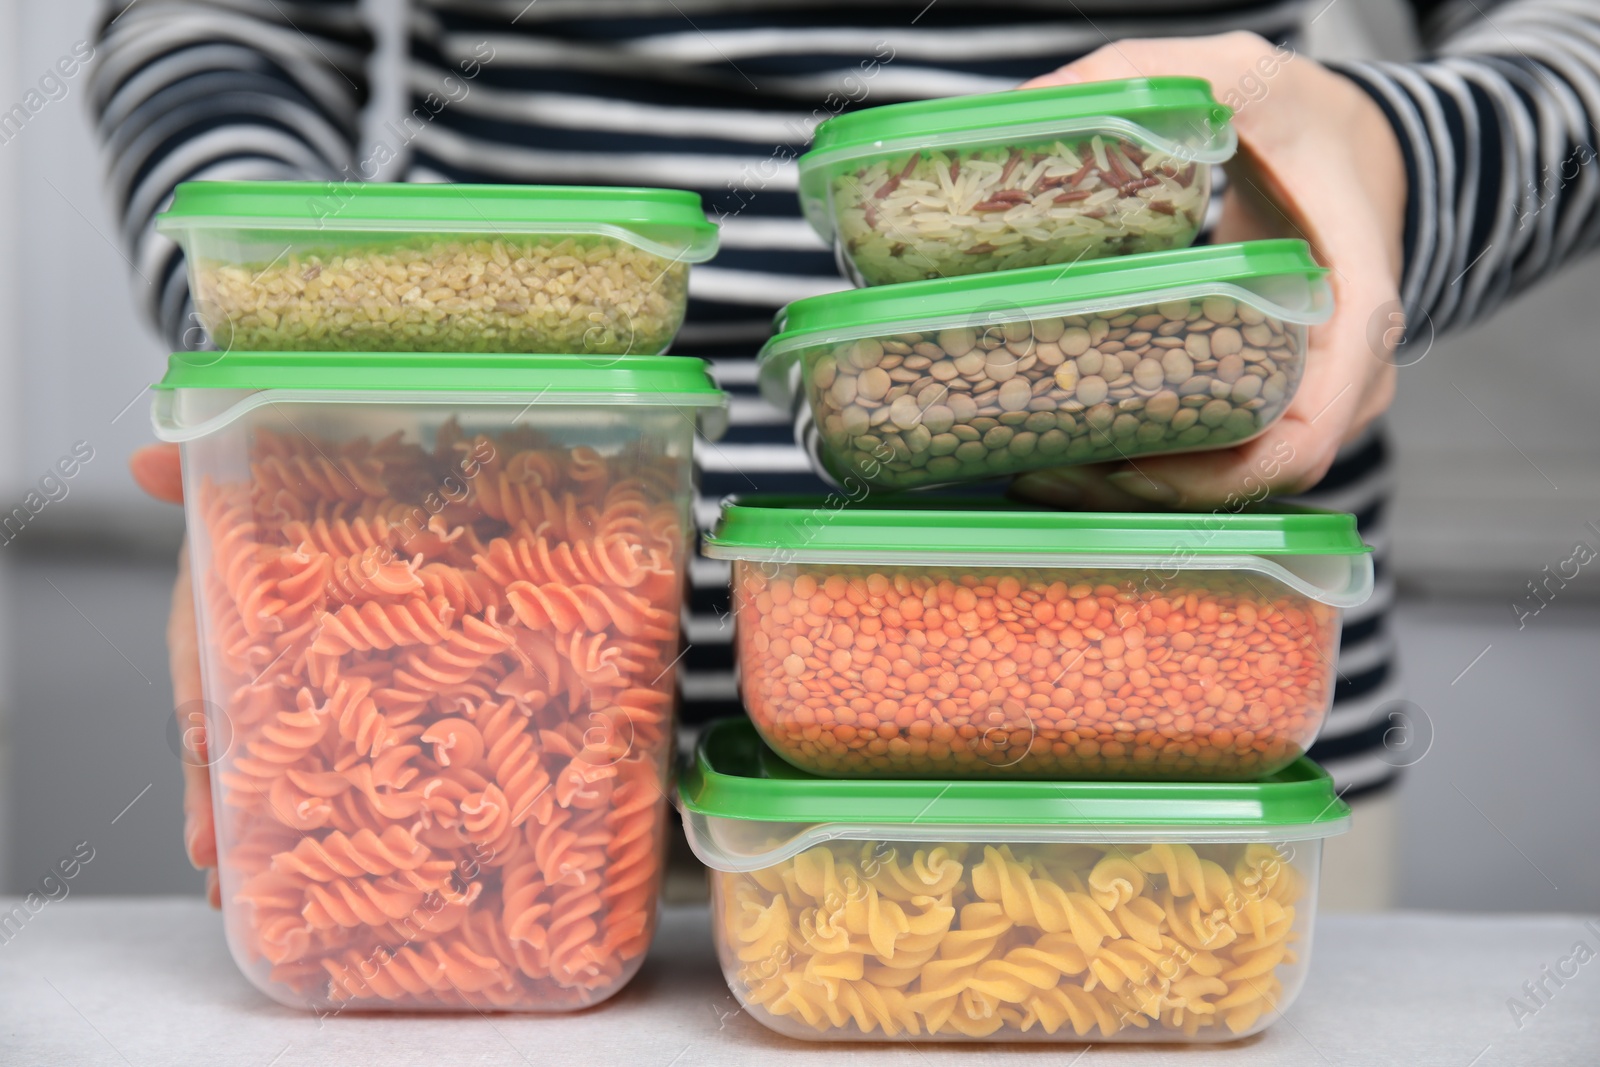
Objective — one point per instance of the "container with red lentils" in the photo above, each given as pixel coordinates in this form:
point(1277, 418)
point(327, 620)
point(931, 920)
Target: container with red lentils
point(944, 638)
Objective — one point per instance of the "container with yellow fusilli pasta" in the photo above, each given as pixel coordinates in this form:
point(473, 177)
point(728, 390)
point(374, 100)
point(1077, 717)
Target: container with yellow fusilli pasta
point(1006, 911)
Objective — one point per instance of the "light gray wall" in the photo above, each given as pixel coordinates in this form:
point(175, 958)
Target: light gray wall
point(91, 732)
point(1498, 810)
point(79, 352)
point(83, 592)
point(8, 385)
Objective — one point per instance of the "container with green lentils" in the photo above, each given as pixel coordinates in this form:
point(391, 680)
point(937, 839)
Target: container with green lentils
point(961, 379)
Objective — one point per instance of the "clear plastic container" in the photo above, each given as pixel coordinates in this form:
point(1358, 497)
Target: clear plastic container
point(392, 267)
point(972, 184)
point(961, 379)
point(1006, 911)
point(439, 616)
point(972, 639)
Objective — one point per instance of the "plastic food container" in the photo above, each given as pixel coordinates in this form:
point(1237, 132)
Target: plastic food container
point(972, 184)
point(438, 600)
point(1006, 911)
point(352, 266)
point(960, 379)
point(972, 639)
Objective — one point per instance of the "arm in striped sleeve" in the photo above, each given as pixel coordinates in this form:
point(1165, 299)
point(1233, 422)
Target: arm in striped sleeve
point(1498, 131)
point(228, 89)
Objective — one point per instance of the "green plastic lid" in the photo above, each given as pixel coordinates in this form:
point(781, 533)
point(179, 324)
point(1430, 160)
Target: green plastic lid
point(1277, 276)
point(670, 222)
point(444, 371)
point(795, 527)
point(243, 380)
point(733, 775)
point(1173, 109)
point(1318, 554)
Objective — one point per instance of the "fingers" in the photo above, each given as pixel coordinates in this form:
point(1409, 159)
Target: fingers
point(1245, 217)
point(1346, 384)
point(1288, 458)
point(1220, 59)
point(157, 470)
point(199, 828)
point(1064, 76)
point(1086, 488)
point(1284, 460)
point(183, 660)
point(1091, 68)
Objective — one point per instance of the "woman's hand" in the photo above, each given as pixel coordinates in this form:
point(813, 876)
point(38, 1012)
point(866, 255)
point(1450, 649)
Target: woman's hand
point(1317, 159)
point(156, 469)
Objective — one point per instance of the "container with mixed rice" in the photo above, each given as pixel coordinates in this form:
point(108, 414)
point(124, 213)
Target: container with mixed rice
point(339, 267)
point(974, 184)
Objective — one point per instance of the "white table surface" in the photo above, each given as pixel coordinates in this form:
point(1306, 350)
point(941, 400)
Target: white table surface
point(140, 981)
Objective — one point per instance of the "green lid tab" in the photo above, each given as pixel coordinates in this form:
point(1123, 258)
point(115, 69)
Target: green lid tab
point(669, 222)
point(227, 384)
point(734, 776)
point(1278, 276)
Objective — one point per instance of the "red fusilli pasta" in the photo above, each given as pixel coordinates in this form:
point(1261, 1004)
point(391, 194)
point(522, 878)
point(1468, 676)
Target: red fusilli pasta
point(445, 685)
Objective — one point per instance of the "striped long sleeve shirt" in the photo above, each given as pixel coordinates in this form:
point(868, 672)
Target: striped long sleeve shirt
point(720, 97)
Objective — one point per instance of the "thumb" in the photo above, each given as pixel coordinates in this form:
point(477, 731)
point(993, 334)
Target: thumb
point(157, 470)
point(1103, 64)
point(1064, 76)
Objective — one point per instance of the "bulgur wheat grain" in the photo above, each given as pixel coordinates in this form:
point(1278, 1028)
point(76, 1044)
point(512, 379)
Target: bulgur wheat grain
point(534, 293)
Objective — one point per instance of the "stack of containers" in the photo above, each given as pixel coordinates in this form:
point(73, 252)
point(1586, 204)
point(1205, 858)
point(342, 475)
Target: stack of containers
point(439, 511)
point(1014, 774)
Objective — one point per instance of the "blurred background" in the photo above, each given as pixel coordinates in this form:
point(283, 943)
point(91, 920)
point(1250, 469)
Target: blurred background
point(1498, 481)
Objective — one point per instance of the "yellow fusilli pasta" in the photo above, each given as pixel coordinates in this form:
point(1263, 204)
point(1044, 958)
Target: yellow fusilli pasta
point(876, 939)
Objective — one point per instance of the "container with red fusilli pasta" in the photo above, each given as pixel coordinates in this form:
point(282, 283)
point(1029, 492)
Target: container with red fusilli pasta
point(439, 610)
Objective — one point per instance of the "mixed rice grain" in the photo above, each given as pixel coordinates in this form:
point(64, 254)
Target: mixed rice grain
point(941, 214)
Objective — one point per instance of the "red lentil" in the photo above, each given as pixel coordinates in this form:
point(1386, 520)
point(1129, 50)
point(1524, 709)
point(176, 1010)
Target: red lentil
point(1047, 672)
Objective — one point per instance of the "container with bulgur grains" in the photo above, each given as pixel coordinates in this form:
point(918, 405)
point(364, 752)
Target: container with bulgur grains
point(302, 266)
point(973, 184)
point(960, 379)
point(939, 638)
